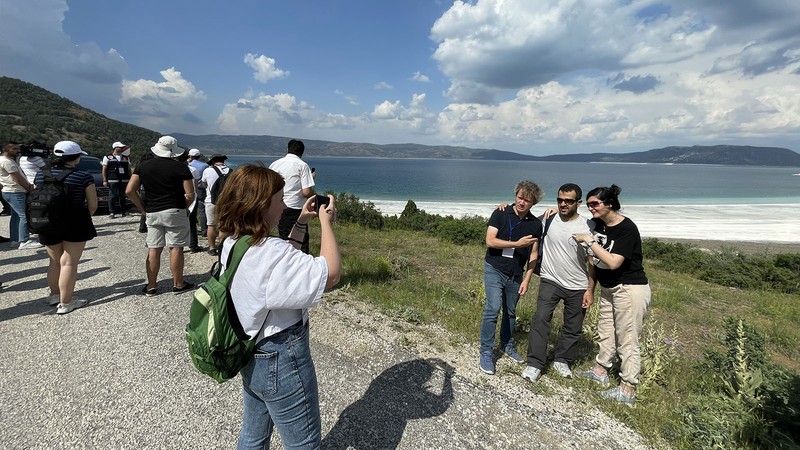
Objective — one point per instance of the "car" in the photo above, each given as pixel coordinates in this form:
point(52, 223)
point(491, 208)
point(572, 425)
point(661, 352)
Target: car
point(94, 166)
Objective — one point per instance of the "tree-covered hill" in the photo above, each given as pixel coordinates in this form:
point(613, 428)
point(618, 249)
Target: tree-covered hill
point(29, 113)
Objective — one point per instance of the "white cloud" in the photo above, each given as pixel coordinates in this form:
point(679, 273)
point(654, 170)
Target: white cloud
point(159, 103)
point(417, 76)
point(264, 67)
point(351, 99)
point(382, 85)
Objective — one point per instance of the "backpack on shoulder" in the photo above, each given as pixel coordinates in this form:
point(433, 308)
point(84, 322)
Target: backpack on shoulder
point(48, 205)
point(216, 189)
point(218, 345)
point(537, 269)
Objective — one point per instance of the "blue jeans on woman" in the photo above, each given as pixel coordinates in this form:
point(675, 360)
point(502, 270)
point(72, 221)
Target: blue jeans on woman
point(280, 390)
point(502, 293)
point(18, 227)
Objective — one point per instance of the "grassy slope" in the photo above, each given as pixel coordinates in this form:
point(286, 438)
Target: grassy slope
point(423, 280)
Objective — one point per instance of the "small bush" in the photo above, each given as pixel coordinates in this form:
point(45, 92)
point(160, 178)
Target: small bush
point(350, 210)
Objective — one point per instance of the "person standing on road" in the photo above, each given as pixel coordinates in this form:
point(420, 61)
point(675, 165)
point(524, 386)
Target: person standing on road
point(624, 295)
point(216, 168)
point(273, 287)
point(566, 274)
point(116, 174)
point(196, 161)
point(299, 187)
point(169, 190)
point(15, 190)
point(511, 242)
point(65, 246)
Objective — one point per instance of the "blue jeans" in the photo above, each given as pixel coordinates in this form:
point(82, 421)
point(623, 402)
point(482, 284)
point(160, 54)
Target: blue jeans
point(116, 197)
point(280, 389)
point(502, 293)
point(18, 227)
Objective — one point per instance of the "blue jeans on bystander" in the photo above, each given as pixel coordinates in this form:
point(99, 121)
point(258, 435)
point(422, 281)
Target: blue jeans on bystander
point(502, 293)
point(280, 390)
point(18, 227)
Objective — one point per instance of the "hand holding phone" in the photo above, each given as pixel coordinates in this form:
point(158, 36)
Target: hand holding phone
point(321, 200)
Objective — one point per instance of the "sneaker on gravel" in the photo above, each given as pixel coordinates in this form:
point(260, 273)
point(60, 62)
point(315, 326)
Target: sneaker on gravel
point(616, 394)
point(531, 373)
point(185, 288)
point(590, 375)
point(112, 216)
point(487, 363)
point(53, 299)
point(212, 252)
point(30, 244)
point(149, 292)
point(563, 369)
point(511, 353)
point(76, 303)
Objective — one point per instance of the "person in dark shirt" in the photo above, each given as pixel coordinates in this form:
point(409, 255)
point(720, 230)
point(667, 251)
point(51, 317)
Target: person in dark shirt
point(64, 248)
point(624, 294)
point(511, 240)
point(169, 187)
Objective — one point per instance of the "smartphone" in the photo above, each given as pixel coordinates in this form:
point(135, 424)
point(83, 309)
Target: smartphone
point(322, 200)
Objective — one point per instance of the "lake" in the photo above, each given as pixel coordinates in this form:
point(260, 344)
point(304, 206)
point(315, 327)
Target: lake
point(737, 203)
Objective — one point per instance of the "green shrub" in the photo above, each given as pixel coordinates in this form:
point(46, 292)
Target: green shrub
point(350, 210)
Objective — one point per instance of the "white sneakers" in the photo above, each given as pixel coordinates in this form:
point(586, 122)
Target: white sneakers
point(76, 303)
point(563, 369)
point(53, 299)
point(30, 244)
point(531, 373)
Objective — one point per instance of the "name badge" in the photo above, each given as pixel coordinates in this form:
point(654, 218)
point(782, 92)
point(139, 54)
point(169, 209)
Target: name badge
point(508, 253)
point(121, 170)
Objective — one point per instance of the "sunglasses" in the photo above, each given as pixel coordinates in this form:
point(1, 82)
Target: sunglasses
point(568, 201)
point(593, 204)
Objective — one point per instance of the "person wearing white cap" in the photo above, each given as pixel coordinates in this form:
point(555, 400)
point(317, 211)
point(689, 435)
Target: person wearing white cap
point(116, 174)
point(169, 188)
point(15, 192)
point(65, 246)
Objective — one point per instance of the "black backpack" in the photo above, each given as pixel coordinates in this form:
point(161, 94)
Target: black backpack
point(537, 269)
point(48, 205)
point(216, 189)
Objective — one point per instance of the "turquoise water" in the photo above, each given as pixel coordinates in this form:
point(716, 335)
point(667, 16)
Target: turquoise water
point(439, 180)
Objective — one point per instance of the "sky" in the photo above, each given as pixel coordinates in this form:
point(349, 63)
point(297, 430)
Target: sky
point(535, 77)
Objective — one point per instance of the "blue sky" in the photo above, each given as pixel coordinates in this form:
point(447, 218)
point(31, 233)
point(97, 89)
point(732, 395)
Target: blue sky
point(536, 77)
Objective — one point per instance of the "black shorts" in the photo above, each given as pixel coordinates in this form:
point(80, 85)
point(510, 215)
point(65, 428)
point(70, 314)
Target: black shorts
point(79, 229)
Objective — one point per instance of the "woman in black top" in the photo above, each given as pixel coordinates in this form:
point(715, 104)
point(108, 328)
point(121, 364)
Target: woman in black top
point(65, 246)
point(624, 295)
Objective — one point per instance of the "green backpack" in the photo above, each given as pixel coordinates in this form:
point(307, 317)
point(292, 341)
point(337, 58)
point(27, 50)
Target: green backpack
point(218, 345)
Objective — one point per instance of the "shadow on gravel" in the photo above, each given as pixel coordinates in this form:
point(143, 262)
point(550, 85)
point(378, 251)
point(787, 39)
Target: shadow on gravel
point(401, 393)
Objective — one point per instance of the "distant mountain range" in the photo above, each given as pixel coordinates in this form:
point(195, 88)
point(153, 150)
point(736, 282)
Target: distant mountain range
point(28, 113)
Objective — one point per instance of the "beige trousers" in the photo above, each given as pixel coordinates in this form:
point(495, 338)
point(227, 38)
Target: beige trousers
point(622, 311)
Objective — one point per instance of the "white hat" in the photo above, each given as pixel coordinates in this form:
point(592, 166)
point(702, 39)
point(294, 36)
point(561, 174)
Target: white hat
point(67, 148)
point(167, 147)
point(118, 144)
point(194, 152)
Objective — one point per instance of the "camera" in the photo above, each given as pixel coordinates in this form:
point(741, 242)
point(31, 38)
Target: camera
point(321, 200)
point(34, 149)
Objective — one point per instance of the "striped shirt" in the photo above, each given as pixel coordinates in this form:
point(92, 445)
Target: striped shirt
point(76, 182)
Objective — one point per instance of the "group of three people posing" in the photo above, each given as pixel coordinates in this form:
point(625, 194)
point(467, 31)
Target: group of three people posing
point(576, 254)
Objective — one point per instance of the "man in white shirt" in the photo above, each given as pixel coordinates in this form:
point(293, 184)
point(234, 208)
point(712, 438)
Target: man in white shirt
point(299, 184)
point(566, 274)
point(116, 174)
point(31, 161)
point(216, 167)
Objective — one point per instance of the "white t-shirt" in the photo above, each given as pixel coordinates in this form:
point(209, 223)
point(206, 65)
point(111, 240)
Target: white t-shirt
point(297, 175)
point(563, 259)
point(30, 166)
point(278, 279)
point(7, 167)
point(210, 177)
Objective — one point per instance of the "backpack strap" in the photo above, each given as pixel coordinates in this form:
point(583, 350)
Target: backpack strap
point(216, 169)
point(234, 258)
point(64, 174)
point(547, 225)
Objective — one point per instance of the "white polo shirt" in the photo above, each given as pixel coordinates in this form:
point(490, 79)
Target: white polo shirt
point(297, 175)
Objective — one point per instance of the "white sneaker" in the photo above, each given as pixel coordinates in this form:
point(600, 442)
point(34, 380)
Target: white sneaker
point(76, 303)
point(563, 369)
point(53, 299)
point(531, 373)
point(30, 244)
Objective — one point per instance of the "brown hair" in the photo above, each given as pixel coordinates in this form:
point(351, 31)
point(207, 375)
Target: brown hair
point(245, 199)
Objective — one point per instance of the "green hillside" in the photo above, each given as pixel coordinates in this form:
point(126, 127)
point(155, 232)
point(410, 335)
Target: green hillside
point(29, 113)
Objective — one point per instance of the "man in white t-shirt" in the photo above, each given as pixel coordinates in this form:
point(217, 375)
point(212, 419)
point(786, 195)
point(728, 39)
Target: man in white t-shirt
point(216, 167)
point(30, 164)
point(299, 183)
point(566, 274)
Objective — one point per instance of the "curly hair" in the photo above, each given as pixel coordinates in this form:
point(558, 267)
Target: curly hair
point(530, 190)
point(243, 203)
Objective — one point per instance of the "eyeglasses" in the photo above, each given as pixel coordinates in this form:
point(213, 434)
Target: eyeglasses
point(568, 201)
point(593, 205)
